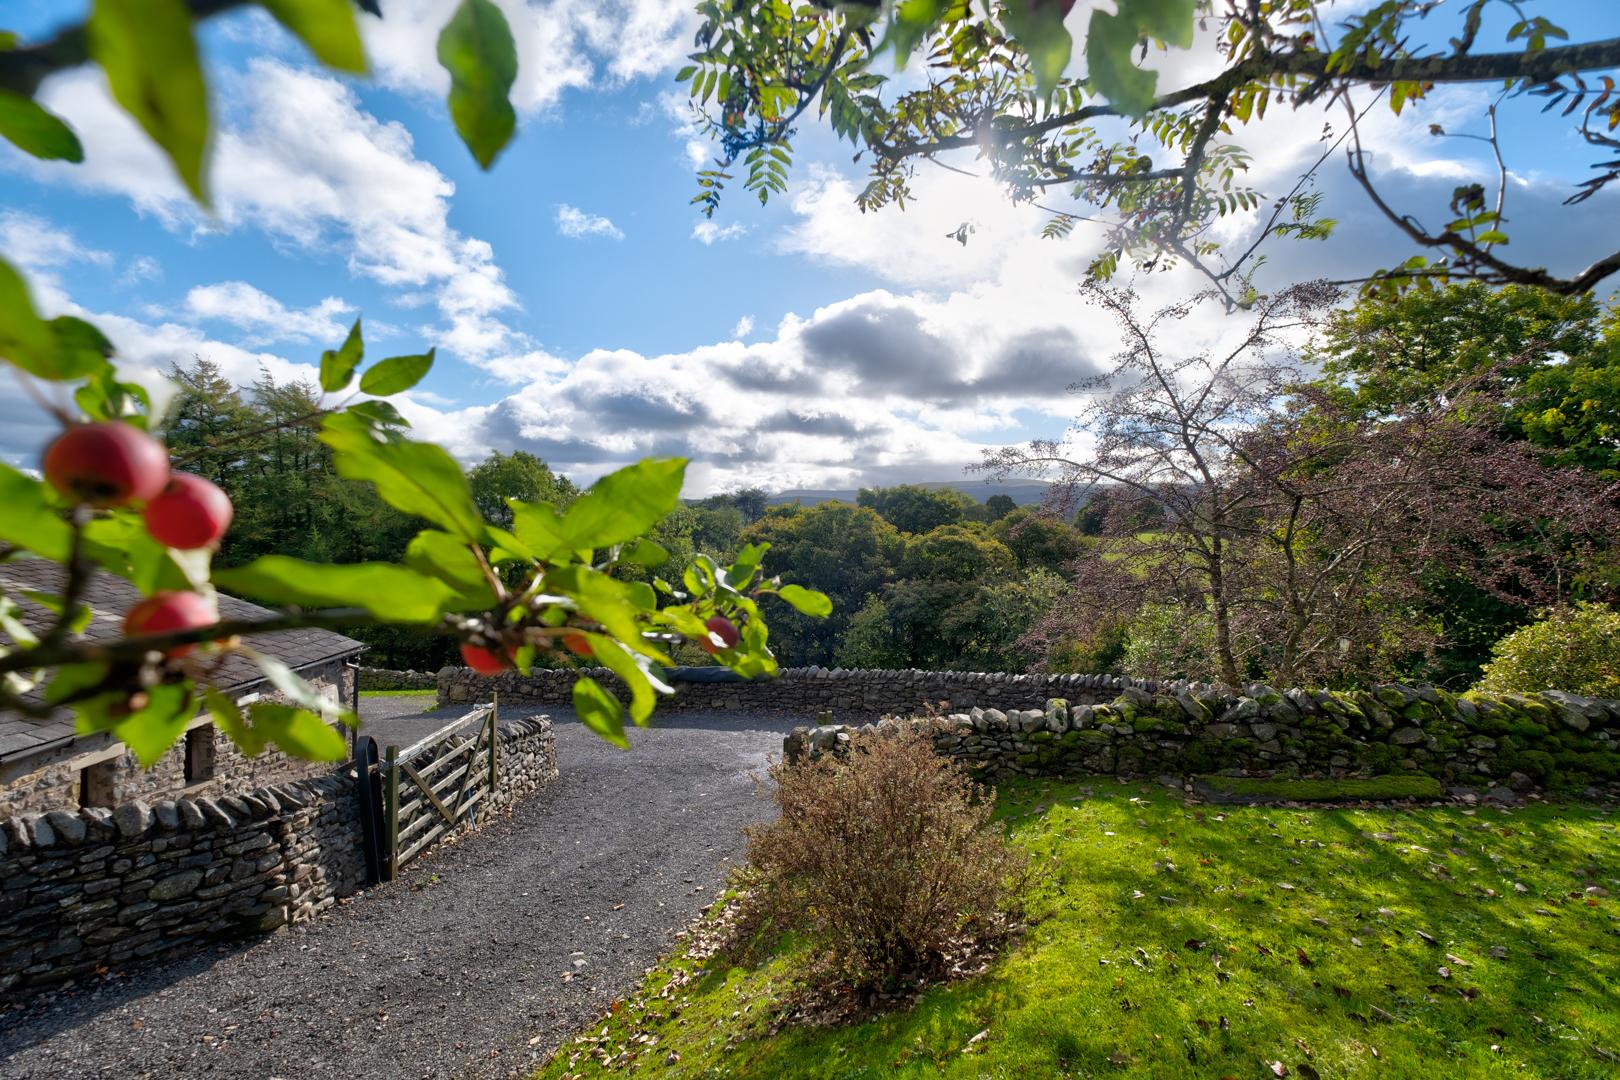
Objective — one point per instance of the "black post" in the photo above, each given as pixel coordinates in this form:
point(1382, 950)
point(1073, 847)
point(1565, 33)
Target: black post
point(368, 791)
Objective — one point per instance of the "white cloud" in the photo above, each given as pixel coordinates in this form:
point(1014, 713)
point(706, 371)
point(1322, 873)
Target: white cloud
point(38, 246)
point(561, 44)
point(709, 232)
point(576, 223)
point(266, 319)
point(142, 268)
point(297, 158)
point(744, 327)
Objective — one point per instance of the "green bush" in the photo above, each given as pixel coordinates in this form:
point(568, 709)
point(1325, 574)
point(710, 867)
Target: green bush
point(1574, 649)
point(1170, 641)
point(886, 860)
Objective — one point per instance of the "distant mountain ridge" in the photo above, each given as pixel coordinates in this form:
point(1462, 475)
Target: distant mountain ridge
point(1022, 492)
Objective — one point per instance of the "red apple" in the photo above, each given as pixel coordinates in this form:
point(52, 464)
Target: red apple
point(106, 464)
point(170, 611)
point(723, 628)
point(483, 660)
point(189, 513)
point(578, 644)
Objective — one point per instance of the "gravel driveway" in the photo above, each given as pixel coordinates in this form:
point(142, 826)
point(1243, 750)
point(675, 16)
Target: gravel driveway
point(486, 953)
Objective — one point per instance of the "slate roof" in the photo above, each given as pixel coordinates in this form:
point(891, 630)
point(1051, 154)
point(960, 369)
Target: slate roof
point(109, 597)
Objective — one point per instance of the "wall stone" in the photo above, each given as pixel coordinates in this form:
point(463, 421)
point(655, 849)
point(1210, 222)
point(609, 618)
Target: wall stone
point(1551, 739)
point(86, 890)
point(857, 695)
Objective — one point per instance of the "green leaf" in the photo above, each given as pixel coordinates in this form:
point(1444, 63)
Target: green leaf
point(624, 504)
point(81, 349)
point(1171, 21)
point(613, 603)
point(477, 49)
point(152, 729)
point(380, 413)
point(910, 23)
point(35, 131)
point(539, 528)
point(418, 478)
point(337, 366)
point(611, 655)
point(293, 687)
point(297, 731)
point(505, 547)
point(228, 718)
point(147, 49)
point(394, 593)
point(1038, 27)
point(395, 374)
point(807, 601)
point(600, 711)
point(328, 27)
point(28, 521)
point(645, 552)
point(56, 605)
point(12, 626)
point(25, 339)
point(746, 565)
point(71, 678)
point(1110, 41)
point(442, 556)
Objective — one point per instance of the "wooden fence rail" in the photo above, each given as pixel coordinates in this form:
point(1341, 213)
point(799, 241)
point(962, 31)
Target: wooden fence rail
point(434, 784)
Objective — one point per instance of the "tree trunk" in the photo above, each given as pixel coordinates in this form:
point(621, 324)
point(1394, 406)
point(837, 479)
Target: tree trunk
point(1222, 614)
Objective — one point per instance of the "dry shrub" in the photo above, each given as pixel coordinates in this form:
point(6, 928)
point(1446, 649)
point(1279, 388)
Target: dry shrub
point(886, 861)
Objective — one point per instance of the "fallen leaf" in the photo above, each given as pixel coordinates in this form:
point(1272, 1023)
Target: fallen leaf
point(1307, 1071)
point(1279, 1069)
point(1304, 961)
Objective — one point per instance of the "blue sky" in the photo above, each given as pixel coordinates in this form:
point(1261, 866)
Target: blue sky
point(582, 310)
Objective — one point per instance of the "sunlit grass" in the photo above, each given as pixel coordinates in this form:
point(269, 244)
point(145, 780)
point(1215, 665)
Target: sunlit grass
point(1175, 940)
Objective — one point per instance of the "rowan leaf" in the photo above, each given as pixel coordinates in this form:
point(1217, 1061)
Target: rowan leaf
point(149, 53)
point(328, 27)
point(477, 49)
point(37, 131)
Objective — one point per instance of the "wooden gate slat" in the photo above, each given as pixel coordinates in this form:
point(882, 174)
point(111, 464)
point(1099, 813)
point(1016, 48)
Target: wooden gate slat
point(424, 810)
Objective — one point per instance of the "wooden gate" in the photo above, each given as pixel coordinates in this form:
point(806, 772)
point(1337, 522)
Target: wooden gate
point(431, 786)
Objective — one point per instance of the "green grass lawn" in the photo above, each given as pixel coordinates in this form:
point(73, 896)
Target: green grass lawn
point(1176, 940)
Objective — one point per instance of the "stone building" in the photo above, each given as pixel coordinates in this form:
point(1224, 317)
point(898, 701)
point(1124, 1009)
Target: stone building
point(46, 765)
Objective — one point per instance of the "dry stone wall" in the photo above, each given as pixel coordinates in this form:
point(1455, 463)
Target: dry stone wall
point(93, 890)
point(82, 890)
point(1552, 739)
point(525, 759)
point(372, 678)
point(849, 695)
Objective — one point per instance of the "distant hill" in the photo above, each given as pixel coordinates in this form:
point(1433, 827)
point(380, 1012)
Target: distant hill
point(1022, 492)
